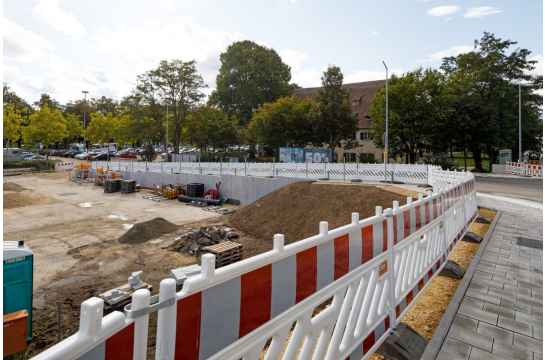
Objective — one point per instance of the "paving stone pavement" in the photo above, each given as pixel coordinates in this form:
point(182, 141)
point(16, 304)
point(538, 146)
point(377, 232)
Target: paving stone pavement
point(501, 314)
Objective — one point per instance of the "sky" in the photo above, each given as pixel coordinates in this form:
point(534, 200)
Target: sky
point(62, 47)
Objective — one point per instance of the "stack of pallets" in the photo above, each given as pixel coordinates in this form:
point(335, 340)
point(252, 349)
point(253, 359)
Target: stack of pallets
point(128, 186)
point(226, 253)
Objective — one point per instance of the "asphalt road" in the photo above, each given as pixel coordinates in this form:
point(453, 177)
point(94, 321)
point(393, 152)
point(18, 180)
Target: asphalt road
point(514, 186)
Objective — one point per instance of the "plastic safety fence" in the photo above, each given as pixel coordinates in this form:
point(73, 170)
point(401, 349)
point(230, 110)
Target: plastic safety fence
point(418, 174)
point(524, 169)
point(363, 277)
point(64, 166)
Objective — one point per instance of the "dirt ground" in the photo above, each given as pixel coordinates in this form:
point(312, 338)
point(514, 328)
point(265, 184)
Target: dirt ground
point(73, 230)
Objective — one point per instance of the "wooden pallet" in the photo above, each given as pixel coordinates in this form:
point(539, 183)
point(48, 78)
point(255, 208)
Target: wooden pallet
point(226, 253)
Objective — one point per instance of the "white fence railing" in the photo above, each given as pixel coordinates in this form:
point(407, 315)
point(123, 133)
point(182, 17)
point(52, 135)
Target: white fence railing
point(418, 174)
point(524, 169)
point(372, 271)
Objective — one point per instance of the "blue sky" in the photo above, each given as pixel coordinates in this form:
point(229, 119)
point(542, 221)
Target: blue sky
point(63, 47)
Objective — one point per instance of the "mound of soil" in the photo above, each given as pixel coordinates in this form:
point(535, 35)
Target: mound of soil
point(296, 210)
point(15, 200)
point(9, 186)
point(148, 230)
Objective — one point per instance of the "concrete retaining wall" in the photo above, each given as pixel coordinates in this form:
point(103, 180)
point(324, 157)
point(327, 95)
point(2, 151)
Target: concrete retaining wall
point(247, 189)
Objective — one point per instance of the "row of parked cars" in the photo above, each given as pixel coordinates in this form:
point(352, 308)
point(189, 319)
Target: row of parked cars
point(93, 155)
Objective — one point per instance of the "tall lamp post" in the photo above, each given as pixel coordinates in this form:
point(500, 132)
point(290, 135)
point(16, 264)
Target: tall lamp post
point(520, 122)
point(386, 139)
point(84, 106)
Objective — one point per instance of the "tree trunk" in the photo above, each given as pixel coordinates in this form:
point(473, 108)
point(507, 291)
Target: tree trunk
point(451, 155)
point(412, 157)
point(465, 159)
point(477, 157)
point(332, 154)
point(7, 151)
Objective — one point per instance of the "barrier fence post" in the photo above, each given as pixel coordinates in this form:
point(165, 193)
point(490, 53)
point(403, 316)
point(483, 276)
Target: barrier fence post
point(391, 268)
point(166, 322)
point(140, 300)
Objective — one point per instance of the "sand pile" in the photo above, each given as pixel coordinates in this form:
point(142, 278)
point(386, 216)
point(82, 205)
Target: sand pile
point(9, 186)
point(15, 200)
point(147, 230)
point(295, 210)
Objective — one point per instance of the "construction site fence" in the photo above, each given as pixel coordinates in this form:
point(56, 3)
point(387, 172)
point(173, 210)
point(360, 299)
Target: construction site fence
point(363, 276)
point(418, 174)
point(524, 169)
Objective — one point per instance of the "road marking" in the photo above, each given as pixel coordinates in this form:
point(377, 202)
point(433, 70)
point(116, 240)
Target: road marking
point(517, 201)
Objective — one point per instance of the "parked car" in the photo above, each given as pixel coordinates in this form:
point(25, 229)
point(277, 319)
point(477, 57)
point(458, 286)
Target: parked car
point(101, 156)
point(35, 157)
point(81, 156)
point(127, 155)
point(28, 155)
point(89, 155)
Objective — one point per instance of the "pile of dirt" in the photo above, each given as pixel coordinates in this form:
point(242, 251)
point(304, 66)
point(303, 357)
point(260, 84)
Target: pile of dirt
point(295, 210)
point(15, 200)
point(148, 230)
point(9, 186)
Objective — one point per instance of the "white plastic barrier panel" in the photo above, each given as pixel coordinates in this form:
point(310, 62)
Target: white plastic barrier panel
point(64, 166)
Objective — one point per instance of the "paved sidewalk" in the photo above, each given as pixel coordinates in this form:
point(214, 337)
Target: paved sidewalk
point(501, 314)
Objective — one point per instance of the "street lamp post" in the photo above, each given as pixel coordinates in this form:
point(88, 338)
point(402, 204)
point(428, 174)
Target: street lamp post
point(167, 157)
point(520, 122)
point(386, 140)
point(84, 106)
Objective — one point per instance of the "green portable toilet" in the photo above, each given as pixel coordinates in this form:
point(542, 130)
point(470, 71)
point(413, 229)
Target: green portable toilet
point(505, 156)
point(18, 263)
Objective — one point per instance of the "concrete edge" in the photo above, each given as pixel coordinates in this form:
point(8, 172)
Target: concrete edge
point(434, 345)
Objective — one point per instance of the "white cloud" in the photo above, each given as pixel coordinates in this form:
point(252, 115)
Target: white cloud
point(293, 58)
point(50, 13)
point(169, 4)
point(140, 48)
point(452, 51)
point(21, 44)
point(375, 32)
point(443, 10)
point(482, 11)
point(447, 19)
point(370, 75)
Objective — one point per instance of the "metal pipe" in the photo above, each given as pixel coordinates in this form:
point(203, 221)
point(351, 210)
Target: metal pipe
point(386, 141)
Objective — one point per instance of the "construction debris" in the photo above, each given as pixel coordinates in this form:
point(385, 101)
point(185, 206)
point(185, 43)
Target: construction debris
point(218, 209)
point(182, 273)
point(195, 241)
point(117, 298)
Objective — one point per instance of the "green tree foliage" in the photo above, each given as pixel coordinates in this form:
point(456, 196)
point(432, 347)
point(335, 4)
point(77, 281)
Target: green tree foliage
point(101, 129)
point(124, 131)
point(143, 125)
point(419, 105)
point(332, 118)
point(149, 153)
point(485, 84)
point(46, 99)
point(46, 126)
point(210, 126)
point(285, 122)
point(74, 127)
point(177, 84)
point(103, 105)
point(11, 122)
point(250, 75)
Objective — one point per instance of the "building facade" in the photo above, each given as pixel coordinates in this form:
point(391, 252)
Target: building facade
point(361, 95)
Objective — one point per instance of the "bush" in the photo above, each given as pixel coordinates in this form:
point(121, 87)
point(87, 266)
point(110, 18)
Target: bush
point(445, 163)
point(37, 165)
point(367, 158)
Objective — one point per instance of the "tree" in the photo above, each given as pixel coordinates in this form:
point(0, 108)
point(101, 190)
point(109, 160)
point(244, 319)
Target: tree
point(104, 105)
point(46, 99)
point(74, 127)
point(486, 97)
point(210, 126)
point(124, 131)
point(12, 121)
point(10, 97)
point(285, 122)
point(176, 84)
point(332, 119)
point(101, 129)
point(419, 105)
point(250, 75)
point(45, 126)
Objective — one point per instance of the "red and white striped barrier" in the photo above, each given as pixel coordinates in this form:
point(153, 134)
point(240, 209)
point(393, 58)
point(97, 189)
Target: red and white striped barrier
point(232, 312)
point(524, 169)
point(64, 166)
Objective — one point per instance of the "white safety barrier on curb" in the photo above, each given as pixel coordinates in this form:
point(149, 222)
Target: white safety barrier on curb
point(418, 174)
point(64, 166)
point(371, 271)
point(524, 169)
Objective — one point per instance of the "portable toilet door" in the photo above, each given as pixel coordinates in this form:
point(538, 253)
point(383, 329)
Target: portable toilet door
point(18, 276)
